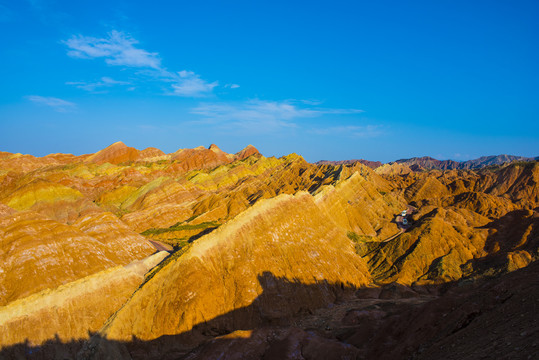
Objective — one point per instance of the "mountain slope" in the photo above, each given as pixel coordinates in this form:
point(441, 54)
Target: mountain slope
point(228, 276)
point(428, 163)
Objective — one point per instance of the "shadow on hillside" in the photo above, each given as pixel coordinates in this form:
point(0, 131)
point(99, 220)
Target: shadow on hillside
point(517, 230)
point(388, 322)
point(280, 302)
point(201, 234)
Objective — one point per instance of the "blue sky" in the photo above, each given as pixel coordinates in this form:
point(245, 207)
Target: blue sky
point(328, 80)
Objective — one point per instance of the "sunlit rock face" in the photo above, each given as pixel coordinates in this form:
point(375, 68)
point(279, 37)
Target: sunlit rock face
point(39, 253)
point(268, 256)
point(74, 310)
point(247, 273)
point(114, 154)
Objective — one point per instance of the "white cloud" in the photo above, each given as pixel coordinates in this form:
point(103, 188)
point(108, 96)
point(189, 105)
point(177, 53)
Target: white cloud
point(102, 83)
point(57, 104)
point(187, 83)
point(110, 81)
point(232, 86)
point(259, 115)
point(312, 102)
point(252, 109)
point(366, 131)
point(117, 49)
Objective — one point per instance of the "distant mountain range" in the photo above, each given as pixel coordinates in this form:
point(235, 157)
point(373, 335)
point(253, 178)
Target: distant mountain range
point(371, 164)
point(429, 163)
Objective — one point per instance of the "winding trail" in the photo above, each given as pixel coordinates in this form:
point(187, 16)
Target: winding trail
point(160, 246)
point(402, 228)
point(394, 236)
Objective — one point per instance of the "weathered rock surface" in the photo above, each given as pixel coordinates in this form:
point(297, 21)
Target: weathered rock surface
point(72, 311)
point(267, 253)
point(38, 253)
point(362, 204)
point(114, 154)
point(269, 264)
point(249, 150)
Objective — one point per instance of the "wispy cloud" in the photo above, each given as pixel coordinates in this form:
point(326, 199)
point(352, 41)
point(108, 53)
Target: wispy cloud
point(57, 104)
point(190, 84)
point(104, 82)
point(366, 131)
point(232, 86)
point(259, 115)
point(119, 49)
point(311, 102)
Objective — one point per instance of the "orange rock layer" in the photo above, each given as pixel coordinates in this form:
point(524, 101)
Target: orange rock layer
point(258, 243)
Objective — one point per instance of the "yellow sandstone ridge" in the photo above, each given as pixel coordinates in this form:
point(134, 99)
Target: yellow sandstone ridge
point(259, 243)
point(361, 205)
point(72, 311)
point(40, 191)
point(230, 273)
point(45, 253)
point(114, 154)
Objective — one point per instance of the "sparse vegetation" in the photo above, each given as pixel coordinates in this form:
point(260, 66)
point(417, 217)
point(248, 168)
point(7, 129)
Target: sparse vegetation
point(182, 226)
point(361, 242)
point(176, 243)
point(359, 238)
point(172, 257)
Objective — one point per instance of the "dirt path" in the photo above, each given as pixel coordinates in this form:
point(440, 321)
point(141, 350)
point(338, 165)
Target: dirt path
point(402, 228)
point(394, 236)
point(161, 246)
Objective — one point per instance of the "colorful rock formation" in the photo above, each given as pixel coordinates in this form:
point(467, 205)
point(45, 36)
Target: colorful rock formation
point(269, 257)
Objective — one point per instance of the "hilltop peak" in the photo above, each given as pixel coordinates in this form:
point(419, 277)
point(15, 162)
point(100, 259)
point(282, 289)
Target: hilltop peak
point(214, 147)
point(115, 153)
point(249, 150)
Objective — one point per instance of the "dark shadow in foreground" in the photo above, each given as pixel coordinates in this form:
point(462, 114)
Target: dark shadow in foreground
point(492, 319)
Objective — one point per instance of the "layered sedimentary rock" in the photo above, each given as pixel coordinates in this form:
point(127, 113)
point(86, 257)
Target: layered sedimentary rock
point(39, 191)
point(249, 150)
point(277, 259)
point(72, 311)
point(266, 253)
point(114, 154)
point(468, 224)
point(362, 204)
point(434, 249)
point(38, 253)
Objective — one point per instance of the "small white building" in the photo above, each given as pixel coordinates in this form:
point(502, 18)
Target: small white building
point(403, 213)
